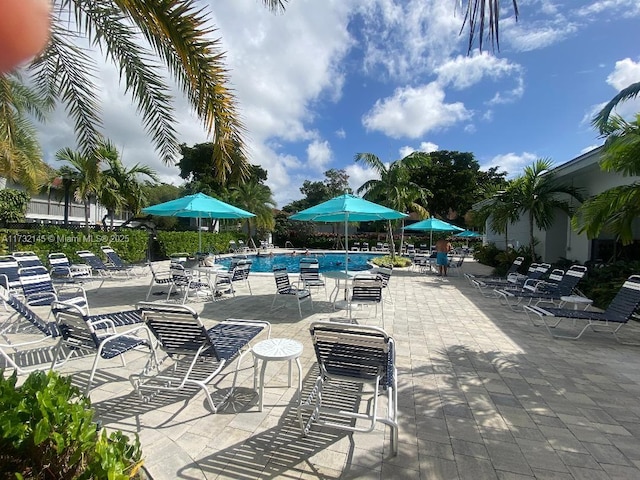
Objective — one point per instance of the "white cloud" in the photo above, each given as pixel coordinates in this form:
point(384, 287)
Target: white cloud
point(463, 71)
point(509, 96)
point(426, 147)
point(340, 133)
point(625, 8)
point(358, 175)
point(406, 38)
point(511, 162)
point(527, 36)
point(319, 155)
point(625, 73)
point(412, 112)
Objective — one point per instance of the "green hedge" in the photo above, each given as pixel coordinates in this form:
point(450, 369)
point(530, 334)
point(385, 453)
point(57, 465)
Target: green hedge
point(130, 244)
point(172, 242)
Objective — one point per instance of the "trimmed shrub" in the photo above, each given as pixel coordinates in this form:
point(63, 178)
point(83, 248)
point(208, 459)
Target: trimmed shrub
point(386, 261)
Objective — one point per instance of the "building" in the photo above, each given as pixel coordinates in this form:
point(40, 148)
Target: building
point(561, 241)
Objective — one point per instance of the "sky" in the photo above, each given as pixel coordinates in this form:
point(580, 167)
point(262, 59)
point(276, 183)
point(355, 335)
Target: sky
point(328, 79)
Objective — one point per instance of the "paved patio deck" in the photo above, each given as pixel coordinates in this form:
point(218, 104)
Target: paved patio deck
point(483, 394)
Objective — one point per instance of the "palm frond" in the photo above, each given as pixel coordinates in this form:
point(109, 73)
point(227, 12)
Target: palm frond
point(480, 15)
point(601, 120)
point(65, 71)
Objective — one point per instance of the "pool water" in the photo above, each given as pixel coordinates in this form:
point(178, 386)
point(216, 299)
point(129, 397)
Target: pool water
point(327, 262)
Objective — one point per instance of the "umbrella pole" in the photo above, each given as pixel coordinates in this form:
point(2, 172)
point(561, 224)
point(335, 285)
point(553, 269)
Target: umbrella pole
point(346, 244)
point(199, 237)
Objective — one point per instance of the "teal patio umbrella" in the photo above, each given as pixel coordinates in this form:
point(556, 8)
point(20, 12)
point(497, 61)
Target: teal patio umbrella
point(468, 234)
point(433, 225)
point(347, 208)
point(197, 206)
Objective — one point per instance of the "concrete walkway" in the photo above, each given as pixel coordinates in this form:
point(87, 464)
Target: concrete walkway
point(483, 394)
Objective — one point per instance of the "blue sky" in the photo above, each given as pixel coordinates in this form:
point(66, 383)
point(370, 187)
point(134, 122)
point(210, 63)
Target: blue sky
point(326, 80)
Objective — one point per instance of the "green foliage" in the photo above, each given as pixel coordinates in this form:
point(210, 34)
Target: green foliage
point(13, 205)
point(47, 430)
point(172, 242)
point(387, 260)
point(336, 182)
point(454, 180)
point(603, 282)
point(130, 244)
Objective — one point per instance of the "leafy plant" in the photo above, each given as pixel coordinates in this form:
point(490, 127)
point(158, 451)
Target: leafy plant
point(47, 430)
point(172, 242)
point(13, 205)
point(387, 260)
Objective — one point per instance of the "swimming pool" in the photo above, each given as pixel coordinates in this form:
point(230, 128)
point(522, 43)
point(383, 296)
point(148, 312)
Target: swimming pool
point(329, 261)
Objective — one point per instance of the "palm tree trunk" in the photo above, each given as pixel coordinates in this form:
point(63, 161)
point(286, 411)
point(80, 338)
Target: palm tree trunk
point(531, 239)
point(86, 216)
point(402, 237)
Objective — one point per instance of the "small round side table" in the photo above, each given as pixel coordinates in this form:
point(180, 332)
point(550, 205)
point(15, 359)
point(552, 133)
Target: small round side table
point(577, 300)
point(277, 350)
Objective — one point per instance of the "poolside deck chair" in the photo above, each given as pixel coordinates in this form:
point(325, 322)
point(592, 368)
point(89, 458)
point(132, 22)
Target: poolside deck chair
point(79, 331)
point(364, 247)
point(535, 272)
point(616, 315)
point(183, 281)
point(9, 278)
point(384, 274)
point(38, 289)
point(512, 273)
point(101, 268)
point(558, 285)
point(238, 275)
point(352, 358)
point(63, 271)
point(310, 275)
point(24, 355)
point(114, 260)
point(285, 289)
point(355, 247)
point(366, 290)
point(455, 264)
point(198, 354)
point(163, 279)
point(27, 259)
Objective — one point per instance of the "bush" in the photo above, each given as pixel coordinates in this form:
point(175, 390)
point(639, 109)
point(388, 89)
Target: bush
point(171, 242)
point(47, 431)
point(603, 282)
point(386, 261)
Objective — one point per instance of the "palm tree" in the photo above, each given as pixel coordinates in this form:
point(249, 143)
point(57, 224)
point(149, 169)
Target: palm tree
point(538, 194)
point(20, 154)
point(83, 175)
point(178, 32)
point(615, 209)
point(256, 198)
point(502, 208)
point(395, 189)
point(121, 188)
point(601, 120)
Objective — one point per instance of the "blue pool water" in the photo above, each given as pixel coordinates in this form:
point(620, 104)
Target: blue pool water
point(327, 262)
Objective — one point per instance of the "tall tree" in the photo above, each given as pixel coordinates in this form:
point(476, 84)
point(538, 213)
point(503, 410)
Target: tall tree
point(178, 35)
point(20, 154)
point(615, 209)
point(455, 181)
point(395, 188)
point(336, 182)
point(121, 188)
point(83, 174)
point(501, 208)
point(257, 199)
point(539, 195)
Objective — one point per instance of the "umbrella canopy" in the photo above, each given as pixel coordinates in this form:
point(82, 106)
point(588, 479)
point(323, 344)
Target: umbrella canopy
point(347, 208)
point(468, 234)
point(197, 206)
point(433, 225)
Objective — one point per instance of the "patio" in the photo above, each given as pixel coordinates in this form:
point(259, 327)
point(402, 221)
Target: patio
point(482, 394)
